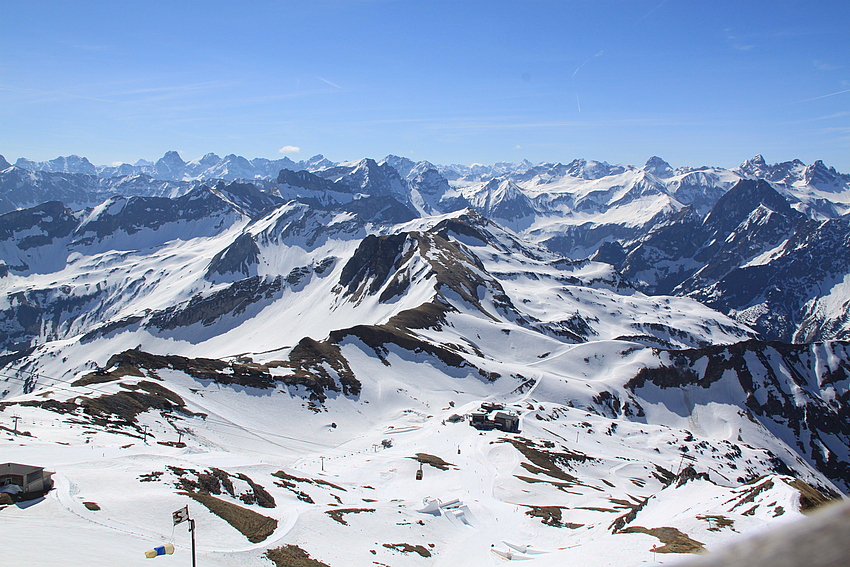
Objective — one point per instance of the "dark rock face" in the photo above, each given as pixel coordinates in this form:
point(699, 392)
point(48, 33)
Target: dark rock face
point(740, 225)
point(380, 209)
point(308, 361)
point(21, 188)
point(46, 313)
point(132, 215)
point(247, 199)
point(309, 181)
point(53, 219)
point(778, 293)
point(507, 202)
point(786, 388)
point(170, 166)
point(371, 264)
point(712, 260)
point(239, 257)
point(368, 177)
point(207, 309)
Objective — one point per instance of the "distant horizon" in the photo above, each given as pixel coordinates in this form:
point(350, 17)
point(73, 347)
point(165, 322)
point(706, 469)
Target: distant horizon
point(297, 159)
point(450, 82)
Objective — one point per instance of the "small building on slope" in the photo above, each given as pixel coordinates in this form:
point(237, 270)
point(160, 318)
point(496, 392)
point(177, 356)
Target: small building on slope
point(26, 479)
point(492, 416)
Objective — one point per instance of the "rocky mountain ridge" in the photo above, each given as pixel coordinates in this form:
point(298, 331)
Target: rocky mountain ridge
point(289, 355)
point(682, 231)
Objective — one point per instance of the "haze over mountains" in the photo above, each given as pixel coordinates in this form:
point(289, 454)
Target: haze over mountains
point(268, 313)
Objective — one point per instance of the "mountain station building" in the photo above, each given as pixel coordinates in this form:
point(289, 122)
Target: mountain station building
point(28, 479)
point(491, 416)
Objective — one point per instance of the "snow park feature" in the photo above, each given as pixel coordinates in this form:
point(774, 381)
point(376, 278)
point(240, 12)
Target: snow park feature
point(399, 363)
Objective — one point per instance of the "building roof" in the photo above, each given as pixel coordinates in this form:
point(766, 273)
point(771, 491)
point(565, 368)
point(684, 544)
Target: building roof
point(18, 468)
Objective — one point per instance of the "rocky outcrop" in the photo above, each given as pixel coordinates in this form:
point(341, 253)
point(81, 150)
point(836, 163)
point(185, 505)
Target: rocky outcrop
point(208, 308)
point(798, 392)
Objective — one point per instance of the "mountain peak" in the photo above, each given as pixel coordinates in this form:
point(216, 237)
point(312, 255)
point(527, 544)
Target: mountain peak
point(757, 161)
point(171, 158)
point(658, 167)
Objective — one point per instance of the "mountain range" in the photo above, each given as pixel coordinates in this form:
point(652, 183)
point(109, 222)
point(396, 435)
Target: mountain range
point(672, 341)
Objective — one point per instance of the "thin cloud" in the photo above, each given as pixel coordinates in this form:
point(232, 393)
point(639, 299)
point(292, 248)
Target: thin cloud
point(290, 150)
point(329, 82)
point(825, 96)
point(580, 67)
point(824, 66)
point(735, 42)
point(651, 11)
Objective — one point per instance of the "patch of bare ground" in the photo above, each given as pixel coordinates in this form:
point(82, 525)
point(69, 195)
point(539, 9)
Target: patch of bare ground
point(407, 548)
point(289, 481)
point(150, 477)
point(337, 514)
point(551, 516)
point(717, 522)
point(125, 406)
point(284, 476)
point(292, 556)
point(432, 460)
point(215, 480)
point(377, 337)
point(559, 485)
point(759, 485)
point(308, 362)
point(120, 409)
point(103, 376)
point(810, 497)
point(252, 525)
point(633, 507)
point(91, 506)
point(16, 431)
point(674, 541)
point(550, 463)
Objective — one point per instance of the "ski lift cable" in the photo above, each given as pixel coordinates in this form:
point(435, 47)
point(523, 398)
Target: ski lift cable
point(60, 380)
point(53, 386)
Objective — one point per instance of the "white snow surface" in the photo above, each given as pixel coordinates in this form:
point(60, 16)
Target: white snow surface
point(547, 495)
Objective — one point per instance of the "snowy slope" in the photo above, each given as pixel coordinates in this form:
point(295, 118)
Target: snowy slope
point(292, 358)
point(298, 364)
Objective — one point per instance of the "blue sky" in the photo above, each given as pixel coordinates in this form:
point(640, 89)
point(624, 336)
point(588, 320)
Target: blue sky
point(695, 82)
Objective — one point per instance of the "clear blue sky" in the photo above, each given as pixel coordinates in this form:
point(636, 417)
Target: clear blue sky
point(696, 82)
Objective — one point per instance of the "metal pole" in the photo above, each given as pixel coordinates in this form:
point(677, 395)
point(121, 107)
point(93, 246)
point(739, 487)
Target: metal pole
point(192, 529)
point(16, 418)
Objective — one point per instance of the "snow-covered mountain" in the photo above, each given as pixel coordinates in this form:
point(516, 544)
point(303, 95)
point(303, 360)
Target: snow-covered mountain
point(172, 167)
point(284, 357)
